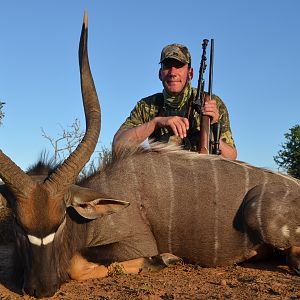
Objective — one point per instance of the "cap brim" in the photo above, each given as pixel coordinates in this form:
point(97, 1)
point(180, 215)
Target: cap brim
point(176, 58)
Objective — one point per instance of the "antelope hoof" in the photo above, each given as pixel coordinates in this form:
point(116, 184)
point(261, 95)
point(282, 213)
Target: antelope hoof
point(293, 259)
point(167, 259)
point(293, 263)
point(159, 262)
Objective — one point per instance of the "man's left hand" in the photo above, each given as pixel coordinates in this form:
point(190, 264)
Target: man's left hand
point(210, 109)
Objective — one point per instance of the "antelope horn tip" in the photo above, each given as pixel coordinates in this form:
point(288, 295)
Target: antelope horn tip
point(85, 19)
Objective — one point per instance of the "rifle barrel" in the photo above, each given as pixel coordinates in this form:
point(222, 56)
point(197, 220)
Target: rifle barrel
point(211, 65)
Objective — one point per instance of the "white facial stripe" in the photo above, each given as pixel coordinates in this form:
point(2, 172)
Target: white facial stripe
point(34, 240)
point(298, 230)
point(48, 239)
point(41, 241)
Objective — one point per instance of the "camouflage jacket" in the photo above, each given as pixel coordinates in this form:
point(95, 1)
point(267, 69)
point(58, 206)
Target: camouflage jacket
point(150, 107)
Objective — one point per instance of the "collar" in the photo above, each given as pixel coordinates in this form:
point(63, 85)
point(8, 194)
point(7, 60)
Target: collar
point(177, 102)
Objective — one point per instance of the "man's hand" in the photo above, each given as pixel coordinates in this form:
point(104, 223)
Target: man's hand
point(210, 109)
point(138, 134)
point(179, 125)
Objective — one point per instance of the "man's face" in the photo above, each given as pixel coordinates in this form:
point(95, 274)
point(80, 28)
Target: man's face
point(174, 75)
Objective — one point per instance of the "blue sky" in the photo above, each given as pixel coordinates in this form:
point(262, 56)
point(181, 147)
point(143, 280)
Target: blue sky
point(256, 66)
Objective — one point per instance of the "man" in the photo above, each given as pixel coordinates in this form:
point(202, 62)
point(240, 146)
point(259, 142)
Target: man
point(170, 115)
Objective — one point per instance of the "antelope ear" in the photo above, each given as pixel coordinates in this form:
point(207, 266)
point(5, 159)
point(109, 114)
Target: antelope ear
point(91, 204)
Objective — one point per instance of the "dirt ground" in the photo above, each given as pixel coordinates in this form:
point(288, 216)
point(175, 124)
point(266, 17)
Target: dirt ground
point(260, 280)
point(264, 280)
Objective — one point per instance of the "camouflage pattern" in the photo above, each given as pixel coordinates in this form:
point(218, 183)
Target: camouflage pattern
point(176, 51)
point(148, 108)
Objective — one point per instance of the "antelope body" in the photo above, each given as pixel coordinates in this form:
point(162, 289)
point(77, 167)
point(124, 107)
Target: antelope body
point(206, 209)
point(203, 208)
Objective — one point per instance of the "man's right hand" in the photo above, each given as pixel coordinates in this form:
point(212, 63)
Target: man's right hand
point(140, 133)
point(179, 125)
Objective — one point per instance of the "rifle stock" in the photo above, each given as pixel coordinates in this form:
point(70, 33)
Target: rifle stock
point(204, 140)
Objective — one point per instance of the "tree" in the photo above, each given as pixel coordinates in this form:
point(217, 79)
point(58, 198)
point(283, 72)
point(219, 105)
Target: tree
point(288, 157)
point(1, 112)
point(65, 143)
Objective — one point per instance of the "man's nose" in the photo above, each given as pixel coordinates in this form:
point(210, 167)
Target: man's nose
point(172, 70)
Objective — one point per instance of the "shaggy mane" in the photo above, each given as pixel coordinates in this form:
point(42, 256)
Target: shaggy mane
point(44, 166)
point(132, 149)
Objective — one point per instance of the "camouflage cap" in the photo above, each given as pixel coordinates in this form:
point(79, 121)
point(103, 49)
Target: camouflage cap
point(176, 51)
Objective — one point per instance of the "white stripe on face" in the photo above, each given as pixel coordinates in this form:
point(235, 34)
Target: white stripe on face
point(41, 241)
point(34, 240)
point(47, 239)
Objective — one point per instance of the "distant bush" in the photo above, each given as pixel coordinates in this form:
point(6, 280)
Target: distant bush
point(288, 157)
point(66, 142)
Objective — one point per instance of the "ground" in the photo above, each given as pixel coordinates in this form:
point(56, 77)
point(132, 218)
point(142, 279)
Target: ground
point(269, 279)
point(260, 280)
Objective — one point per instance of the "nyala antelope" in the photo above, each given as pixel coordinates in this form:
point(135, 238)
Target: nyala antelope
point(204, 209)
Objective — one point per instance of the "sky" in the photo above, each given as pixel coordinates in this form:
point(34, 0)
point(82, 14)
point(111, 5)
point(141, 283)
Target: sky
point(256, 66)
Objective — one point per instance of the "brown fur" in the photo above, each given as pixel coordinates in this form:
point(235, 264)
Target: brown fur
point(208, 210)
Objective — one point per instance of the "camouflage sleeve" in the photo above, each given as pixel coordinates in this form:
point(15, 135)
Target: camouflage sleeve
point(139, 115)
point(226, 134)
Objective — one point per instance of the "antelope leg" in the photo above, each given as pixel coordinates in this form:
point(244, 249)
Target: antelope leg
point(144, 264)
point(81, 269)
point(293, 258)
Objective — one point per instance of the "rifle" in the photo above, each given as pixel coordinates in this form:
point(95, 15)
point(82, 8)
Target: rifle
point(206, 145)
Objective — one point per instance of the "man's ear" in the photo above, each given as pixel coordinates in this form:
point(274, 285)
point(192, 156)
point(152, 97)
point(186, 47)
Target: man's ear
point(159, 74)
point(190, 73)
